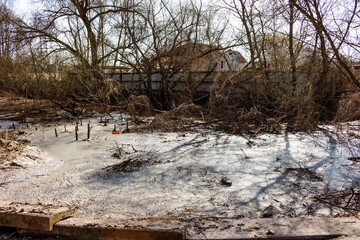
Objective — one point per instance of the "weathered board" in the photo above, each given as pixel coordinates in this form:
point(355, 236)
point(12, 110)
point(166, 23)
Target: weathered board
point(32, 216)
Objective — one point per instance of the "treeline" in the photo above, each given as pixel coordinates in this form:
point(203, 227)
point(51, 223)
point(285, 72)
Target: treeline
point(61, 51)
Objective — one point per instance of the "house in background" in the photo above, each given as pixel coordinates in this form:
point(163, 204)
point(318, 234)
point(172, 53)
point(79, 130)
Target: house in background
point(232, 61)
point(356, 66)
point(117, 69)
point(202, 58)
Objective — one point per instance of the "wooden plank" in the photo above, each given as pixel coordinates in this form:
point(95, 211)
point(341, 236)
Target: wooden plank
point(89, 233)
point(25, 221)
point(32, 216)
point(108, 228)
point(276, 228)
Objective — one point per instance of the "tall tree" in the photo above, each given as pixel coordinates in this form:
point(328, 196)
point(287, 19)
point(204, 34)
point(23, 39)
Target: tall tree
point(77, 28)
point(291, 42)
point(160, 29)
point(332, 31)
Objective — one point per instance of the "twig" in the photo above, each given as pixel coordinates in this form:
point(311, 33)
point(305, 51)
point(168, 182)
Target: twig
point(246, 156)
point(134, 148)
point(352, 195)
point(335, 205)
point(120, 150)
point(354, 159)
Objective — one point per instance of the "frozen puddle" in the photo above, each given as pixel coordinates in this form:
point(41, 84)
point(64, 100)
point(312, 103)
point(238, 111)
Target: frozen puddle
point(136, 175)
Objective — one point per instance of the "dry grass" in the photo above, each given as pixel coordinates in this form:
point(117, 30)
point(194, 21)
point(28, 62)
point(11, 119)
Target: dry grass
point(165, 122)
point(348, 135)
point(186, 117)
point(349, 108)
point(138, 106)
point(19, 108)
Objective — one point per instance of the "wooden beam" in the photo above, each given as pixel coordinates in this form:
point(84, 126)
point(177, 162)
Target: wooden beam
point(32, 216)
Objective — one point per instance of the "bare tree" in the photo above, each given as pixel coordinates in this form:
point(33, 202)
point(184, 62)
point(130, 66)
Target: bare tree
point(244, 10)
point(331, 30)
point(291, 41)
point(9, 46)
point(160, 30)
point(77, 28)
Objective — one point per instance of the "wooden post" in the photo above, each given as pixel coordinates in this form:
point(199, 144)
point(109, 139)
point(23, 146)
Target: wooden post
point(56, 135)
point(88, 133)
point(105, 122)
point(76, 131)
point(80, 122)
point(65, 127)
point(13, 125)
point(114, 128)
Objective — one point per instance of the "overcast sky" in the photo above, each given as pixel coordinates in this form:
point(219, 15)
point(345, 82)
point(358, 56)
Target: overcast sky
point(22, 6)
point(25, 7)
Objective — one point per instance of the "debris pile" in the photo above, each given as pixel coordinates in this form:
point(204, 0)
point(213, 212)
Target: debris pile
point(347, 200)
point(130, 162)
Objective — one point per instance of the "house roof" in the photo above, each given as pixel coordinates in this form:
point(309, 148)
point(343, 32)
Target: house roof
point(237, 55)
point(201, 49)
point(191, 48)
point(199, 56)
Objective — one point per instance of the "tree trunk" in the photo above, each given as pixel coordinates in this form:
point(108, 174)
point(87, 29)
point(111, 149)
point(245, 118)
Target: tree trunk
point(291, 45)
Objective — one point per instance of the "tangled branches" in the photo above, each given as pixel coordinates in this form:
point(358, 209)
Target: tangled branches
point(347, 200)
